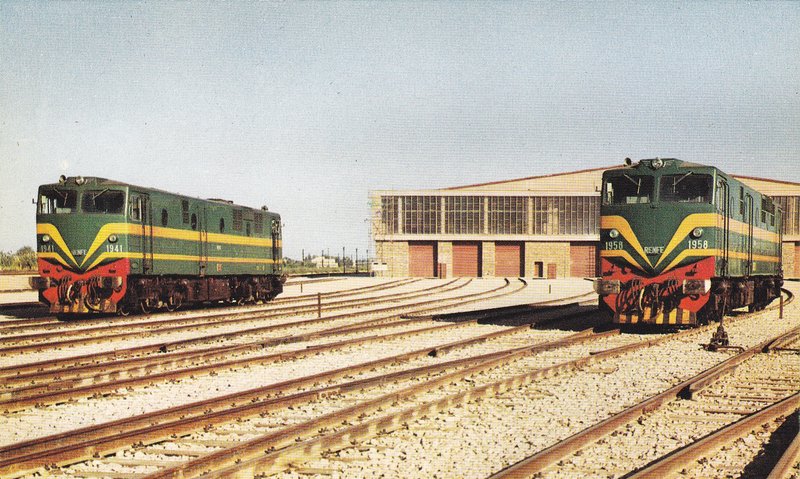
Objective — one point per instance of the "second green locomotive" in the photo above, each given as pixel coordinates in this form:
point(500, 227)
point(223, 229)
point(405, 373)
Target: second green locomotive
point(107, 246)
point(683, 243)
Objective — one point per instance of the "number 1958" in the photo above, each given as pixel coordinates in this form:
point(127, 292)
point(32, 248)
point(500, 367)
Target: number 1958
point(697, 244)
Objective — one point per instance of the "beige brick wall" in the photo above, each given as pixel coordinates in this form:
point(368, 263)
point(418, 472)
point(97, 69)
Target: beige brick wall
point(395, 255)
point(555, 252)
point(487, 260)
point(445, 255)
point(789, 260)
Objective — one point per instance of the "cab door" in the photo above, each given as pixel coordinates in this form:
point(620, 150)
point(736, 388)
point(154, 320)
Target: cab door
point(749, 218)
point(723, 206)
point(199, 223)
point(141, 213)
point(276, 251)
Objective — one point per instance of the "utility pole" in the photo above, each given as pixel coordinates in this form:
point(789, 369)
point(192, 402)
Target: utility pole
point(344, 264)
point(356, 260)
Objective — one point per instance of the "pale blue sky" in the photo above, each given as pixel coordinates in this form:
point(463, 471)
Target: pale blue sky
point(306, 107)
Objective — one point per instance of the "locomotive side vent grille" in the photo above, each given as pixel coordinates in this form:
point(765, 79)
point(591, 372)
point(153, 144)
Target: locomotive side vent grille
point(185, 211)
point(237, 219)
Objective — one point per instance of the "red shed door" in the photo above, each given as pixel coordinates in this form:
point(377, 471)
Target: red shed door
point(797, 260)
point(583, 260)
point(421, 260)
point(466, 259)
point(508, 259)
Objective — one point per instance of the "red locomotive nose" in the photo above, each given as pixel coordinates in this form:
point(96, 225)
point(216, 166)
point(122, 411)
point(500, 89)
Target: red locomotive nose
point(674, 297)
point(96, 290)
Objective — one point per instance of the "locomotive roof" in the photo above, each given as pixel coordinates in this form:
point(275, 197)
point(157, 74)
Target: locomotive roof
point(666, 163)
point(97, 181)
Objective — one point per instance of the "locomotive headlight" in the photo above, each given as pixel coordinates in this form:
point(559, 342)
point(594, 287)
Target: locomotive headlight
point(112, 239)
point(657, 163)
point(45, 238)
point(697, 232)
point(613, 233)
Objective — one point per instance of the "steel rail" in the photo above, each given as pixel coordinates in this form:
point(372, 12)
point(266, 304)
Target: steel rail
point(40, 396)
point(163, 347)
point(216, 319)
point(191, 327)
point(117, 367)
point(348, 292)
point(277, 451)
point(549, 456)
point(74, 377)
point(209, 313)
point(73, 445)
point(96, 375)
point(789, 458)
point(681, 458)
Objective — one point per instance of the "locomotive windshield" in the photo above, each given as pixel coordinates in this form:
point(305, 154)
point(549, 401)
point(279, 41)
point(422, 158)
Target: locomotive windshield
point(628, 189)
point(57, 201)
point(686, 188)
point(103, 201)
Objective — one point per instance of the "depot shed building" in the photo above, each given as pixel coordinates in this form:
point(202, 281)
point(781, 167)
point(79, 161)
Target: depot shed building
point(541, 226)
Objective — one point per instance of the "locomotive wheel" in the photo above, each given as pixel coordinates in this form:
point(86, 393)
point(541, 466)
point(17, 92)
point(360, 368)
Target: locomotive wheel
point(123, 309)
point(92, 304)
point(145, 306)
point(174, 303)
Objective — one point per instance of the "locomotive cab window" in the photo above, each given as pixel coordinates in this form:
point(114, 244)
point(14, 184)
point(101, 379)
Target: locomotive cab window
point(103, 201)
point(686, 188)
point(628, 189)
point(57, 201)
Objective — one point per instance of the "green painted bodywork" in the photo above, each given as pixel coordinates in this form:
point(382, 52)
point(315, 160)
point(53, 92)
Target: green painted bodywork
point(170, 235)
point(655, 222)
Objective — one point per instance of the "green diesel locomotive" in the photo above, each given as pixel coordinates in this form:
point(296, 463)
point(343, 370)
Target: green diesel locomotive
point(106, 246)
point(683, 243)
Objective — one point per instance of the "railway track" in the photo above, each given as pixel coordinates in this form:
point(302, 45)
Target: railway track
point(671, 431)
point(46, 322)
point(27, 309)
point(50, 383)
point(308, 430)
point(457, 441)
point(233, 325)
point(385, 314)
point(233, 409)
point(401, 412)
point(305, 304)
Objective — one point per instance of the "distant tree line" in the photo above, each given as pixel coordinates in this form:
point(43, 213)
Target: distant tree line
point(23, 260)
